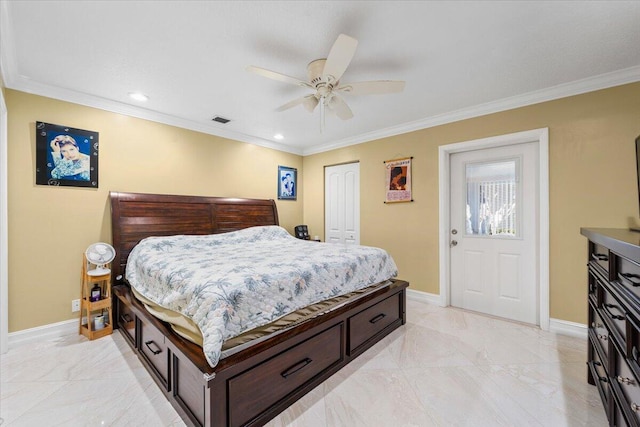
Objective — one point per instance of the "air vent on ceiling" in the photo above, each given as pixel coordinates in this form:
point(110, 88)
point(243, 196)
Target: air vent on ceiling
point(221, 120)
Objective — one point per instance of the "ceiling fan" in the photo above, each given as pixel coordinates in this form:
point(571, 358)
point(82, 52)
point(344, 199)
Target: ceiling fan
point(324, 79)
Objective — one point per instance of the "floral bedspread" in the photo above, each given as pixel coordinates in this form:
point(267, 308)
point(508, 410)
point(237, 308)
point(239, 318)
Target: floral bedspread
point(232, 282)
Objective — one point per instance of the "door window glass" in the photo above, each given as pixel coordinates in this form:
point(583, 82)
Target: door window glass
point(492, 195)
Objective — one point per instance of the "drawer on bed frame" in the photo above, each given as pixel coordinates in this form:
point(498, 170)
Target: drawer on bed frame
point(368, 323)
point(126, 320)
point(154, 349)
point(262, 386)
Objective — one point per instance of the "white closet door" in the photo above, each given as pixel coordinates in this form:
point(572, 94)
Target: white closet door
point(342, 203)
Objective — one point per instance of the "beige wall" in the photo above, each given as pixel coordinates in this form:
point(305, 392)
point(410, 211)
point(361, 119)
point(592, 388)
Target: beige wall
point(592, 182)
point(49, 228)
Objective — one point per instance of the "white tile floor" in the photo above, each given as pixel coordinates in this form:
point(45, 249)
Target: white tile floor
point(445, 367)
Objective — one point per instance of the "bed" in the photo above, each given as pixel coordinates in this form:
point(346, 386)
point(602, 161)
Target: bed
point(262, 372)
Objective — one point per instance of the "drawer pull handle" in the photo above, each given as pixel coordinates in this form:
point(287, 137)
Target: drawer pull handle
point(600, 257)
point(629, 278)
point(603, 379)
point(595, 362)
point(125, 318)
point(635, 407)
point(623, 380)
point(596, 325)
point(603, 337)
point(613, 316)
point(295, 368)
point(378, 317)
point(148, 344)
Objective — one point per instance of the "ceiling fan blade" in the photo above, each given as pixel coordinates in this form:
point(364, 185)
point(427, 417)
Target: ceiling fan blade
point(339, 57)
point(376, 87)
point(310, 103)
point(277, 76)
point(340, 107)
point(291, 104)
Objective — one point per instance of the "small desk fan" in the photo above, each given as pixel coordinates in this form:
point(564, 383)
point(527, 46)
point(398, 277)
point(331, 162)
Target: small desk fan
point(100, 254)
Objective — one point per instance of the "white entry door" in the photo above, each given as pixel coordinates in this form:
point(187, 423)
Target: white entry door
point(493, 218)
point(342, 203)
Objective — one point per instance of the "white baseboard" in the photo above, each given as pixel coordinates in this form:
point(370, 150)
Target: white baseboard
point(565, 327)
point(424, 297)
point(54, 330)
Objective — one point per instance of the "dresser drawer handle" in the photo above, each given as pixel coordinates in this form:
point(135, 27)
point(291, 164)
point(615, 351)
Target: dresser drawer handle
point(603, 379)
point(295, 368)
point(603, 337)
point(595, 325)
point(600, 257)
point(635, 407)
point(623, 380)
point(378, 317)
point(148, 344)
point(629, 278)
point(613, 316)
point(595, 362)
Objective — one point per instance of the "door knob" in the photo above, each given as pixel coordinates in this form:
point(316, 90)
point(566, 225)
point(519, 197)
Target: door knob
point(453, 243)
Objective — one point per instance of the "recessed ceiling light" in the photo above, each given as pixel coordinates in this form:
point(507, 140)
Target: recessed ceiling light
point(138, 96)
point(278, 136)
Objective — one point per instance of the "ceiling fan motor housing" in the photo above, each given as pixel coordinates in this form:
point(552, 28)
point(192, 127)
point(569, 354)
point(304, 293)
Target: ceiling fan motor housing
point(314, 72)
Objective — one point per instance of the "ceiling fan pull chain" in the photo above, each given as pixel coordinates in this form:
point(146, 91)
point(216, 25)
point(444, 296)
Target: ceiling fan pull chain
point(322, 99)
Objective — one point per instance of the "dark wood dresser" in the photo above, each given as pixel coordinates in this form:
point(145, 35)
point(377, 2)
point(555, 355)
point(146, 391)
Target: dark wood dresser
point(614, 321)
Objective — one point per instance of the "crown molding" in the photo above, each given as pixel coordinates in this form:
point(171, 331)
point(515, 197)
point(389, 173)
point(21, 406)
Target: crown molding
point(26, 85)
point(590, 84)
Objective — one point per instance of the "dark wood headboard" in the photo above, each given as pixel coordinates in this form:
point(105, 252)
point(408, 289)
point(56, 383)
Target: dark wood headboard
point(135, 216)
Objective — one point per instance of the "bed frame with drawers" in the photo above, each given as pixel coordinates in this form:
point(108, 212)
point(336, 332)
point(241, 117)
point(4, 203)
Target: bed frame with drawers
point(254, 385)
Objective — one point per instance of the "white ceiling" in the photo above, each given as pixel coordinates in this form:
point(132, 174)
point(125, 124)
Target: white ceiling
point(459, 60)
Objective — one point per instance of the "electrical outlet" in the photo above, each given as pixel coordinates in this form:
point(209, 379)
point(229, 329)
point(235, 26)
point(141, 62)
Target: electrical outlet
point(75, 305)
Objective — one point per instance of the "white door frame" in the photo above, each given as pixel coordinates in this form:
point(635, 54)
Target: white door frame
point(539, 136)
point(4, 229)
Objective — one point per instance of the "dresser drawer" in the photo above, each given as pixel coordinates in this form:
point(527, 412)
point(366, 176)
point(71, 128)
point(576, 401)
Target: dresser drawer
point(369, 322)
point(627, 388)
point(599, 256)
point(614, 314)
point(598, 330)
point(154, 350)
point(627, 274)
point(633, 345)
point(601, 378)
point(265, 384)
point(595, 288)
point(126, 320)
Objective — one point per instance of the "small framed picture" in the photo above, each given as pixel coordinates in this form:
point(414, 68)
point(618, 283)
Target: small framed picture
point(287, 183)
point(66, 156)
